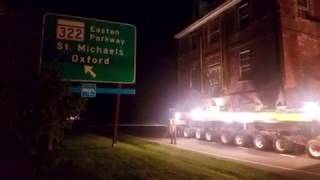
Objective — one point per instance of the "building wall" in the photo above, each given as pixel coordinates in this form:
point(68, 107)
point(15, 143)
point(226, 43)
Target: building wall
point(285, 53)
point(301, 53)
point(261, 33)
point(260, 37)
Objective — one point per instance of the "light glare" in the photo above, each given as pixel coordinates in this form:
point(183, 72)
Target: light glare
point(177, 116)
point(311, 109)
point(197, 114)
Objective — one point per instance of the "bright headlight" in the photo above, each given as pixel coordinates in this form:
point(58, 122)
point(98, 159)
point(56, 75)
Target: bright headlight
point(197, 114)
point(311, 110)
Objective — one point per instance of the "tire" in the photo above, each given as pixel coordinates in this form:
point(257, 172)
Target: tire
point(209, 136)
point(188, 133)
point(313, 149)
point(242, 140)
point(282, 145)
point(226, 138)
point(261, 142)
point(199, 134)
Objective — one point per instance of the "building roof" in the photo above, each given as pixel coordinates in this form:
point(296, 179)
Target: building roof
point(211, 15)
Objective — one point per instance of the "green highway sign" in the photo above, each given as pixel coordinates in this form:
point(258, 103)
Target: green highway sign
point(89, 50)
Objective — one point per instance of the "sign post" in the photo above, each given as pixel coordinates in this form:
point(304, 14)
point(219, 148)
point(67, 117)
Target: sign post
point(116, 119)
point(91, 50)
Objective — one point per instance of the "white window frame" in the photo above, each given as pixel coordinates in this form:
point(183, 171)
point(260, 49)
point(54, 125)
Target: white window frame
point(194, 40)
point(193, 70)
point(215, 67)
point(304, 8)
point(303, 11)
point(245, 66)
point(241, 17)
point(214, 32)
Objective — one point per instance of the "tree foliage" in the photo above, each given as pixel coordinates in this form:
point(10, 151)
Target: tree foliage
point(56, 105)
point(34, 110)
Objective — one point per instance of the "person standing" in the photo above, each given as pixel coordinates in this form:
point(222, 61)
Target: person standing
point(173, 131)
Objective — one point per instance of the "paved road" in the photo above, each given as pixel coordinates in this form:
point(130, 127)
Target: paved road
point(297, 166)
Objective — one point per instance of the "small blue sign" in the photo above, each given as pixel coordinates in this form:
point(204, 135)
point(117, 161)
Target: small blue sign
point(88, 90)
point(121, 91)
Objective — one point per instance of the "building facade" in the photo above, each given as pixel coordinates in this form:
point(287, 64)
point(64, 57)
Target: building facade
point(253, 54)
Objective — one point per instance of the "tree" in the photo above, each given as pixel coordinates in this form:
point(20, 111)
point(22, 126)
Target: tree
point(34, 110)
point(56, 104)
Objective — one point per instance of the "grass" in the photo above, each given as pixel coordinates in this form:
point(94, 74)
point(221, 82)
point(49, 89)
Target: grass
point(90, 156)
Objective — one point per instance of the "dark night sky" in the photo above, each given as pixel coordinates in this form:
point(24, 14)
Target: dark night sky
point(157, 22)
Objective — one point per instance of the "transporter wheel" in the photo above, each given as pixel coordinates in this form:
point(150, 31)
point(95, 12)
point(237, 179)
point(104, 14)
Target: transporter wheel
point(261, 142)
point(188, 133)
point(199, 134)
point(313, 149)
point(282, 145)
point(226, 138)
point(242, 140)
point(209, 136)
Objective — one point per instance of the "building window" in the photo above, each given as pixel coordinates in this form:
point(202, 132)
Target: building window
point(243, 15)
point(183, 45)
point(214, 74)
point(214, 79)
point(213, 31)
point(194, 41)
point(195, 78)
point(303, 8)
point(245, 65)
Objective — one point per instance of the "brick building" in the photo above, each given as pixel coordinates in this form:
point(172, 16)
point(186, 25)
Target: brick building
point(253, 54)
